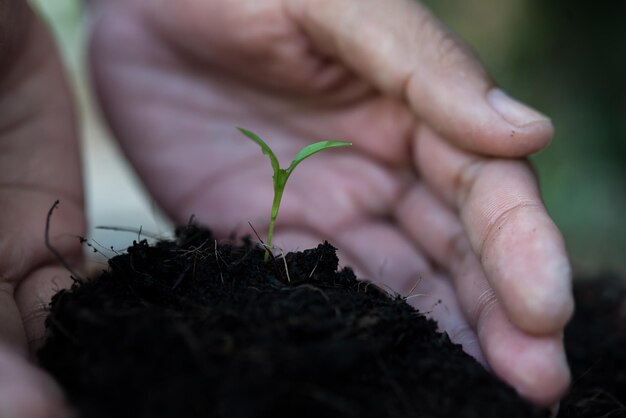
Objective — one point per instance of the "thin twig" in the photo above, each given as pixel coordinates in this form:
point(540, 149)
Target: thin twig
point(54, 251)
point(257, 235)
point(267, 248)
point(111, 248)
point(417, 282)
point(138, 231)
point(286, 269)
point(218, 256)
point(316, 264)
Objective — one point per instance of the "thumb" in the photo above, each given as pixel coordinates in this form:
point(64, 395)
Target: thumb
point(403, 50)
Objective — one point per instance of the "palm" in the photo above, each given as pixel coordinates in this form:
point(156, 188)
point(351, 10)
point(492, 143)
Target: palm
point(178, 129)
point(176, 78)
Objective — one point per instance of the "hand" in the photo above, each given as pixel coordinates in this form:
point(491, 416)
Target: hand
point(39, 163)
point(435, 196)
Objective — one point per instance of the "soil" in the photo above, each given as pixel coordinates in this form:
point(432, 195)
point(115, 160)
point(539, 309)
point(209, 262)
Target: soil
point(595, 341)
point(196, 328)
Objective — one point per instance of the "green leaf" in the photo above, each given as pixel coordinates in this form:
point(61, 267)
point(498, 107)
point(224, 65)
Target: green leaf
point(266, 149)
point(314, 149)
point(281, 175)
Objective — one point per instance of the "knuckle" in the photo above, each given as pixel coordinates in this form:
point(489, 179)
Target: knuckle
point(465, 179)
point(457, 248)
point(484, 305)
point(451, 52)
point(443, 46)
point(500, 220)
point(12, 263)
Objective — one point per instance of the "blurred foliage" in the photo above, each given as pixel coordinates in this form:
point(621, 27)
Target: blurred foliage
point(564, 57)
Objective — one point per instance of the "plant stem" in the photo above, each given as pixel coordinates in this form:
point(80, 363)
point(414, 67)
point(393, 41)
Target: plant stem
point(278, 194)
point(281, 174)
point(268, 244)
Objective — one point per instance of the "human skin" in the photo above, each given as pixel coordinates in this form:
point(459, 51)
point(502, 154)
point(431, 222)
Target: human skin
point(435, 198)
point(39, 163)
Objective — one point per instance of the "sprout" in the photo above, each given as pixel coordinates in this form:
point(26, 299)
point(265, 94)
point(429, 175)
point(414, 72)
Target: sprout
point(281, 175)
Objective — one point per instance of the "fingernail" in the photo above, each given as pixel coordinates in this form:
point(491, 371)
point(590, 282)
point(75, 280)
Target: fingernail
point(514, 112)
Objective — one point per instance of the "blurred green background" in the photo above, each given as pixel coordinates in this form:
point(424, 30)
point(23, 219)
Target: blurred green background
point(567, 59)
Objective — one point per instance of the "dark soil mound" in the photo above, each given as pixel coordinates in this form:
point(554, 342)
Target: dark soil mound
point(595, 341)
point(193, 328)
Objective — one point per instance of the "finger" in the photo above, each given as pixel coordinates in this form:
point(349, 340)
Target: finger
point(373, 249)
point(29, 273)
point(27, 392)
point(398, 268)
point(39, 163)
point(385, 256)
point(521, 250)
point(534, 365)
point(445, 309)
point(33, 297)
point(540, 373)
point(401, 48)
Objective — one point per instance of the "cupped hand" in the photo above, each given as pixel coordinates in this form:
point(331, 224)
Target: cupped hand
point(39, 164)
point(434, 201)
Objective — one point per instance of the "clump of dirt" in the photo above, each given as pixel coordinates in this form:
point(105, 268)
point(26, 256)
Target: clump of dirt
point(196, 328)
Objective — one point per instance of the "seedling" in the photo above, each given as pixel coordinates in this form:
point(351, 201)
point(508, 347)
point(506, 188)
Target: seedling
point(281, 175)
